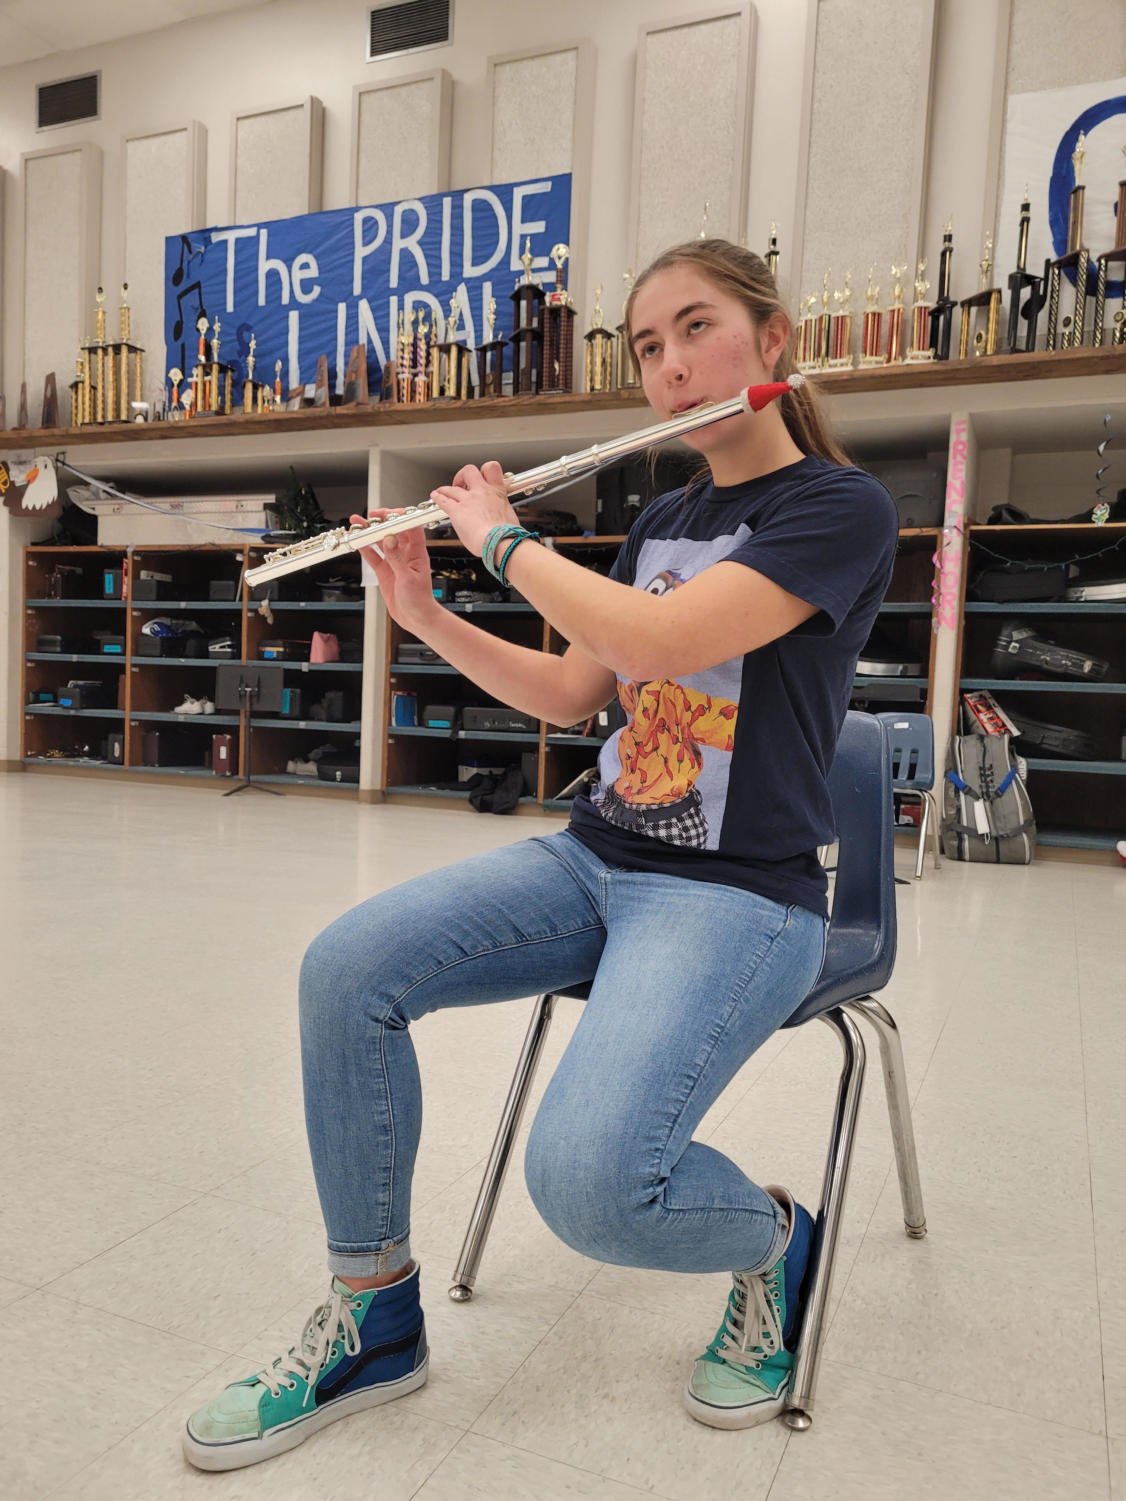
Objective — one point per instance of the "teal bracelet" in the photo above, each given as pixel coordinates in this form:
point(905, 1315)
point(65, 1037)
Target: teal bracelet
point(499, 535)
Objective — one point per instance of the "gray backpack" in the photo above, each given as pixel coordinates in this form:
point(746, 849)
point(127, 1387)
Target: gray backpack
point(987, 813)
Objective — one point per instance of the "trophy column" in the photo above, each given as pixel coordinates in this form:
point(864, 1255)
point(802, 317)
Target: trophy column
point(557, 369)
point(1115, 257)
point(1067, 332)
point(942, 314)
point(527, 334)
point(599, 349)
point(1020, 282)
point(985, 339)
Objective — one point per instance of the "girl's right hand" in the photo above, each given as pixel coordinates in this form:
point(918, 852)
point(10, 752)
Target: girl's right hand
point(403, 573)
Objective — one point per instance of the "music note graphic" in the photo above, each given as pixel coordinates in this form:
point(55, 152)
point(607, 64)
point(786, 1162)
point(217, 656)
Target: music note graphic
point(188, 253)
point(178, 326)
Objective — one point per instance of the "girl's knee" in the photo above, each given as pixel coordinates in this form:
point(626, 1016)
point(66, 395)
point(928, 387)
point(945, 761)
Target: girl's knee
point(586, 1193)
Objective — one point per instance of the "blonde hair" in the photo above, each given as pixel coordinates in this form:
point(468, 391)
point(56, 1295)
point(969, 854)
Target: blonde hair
point(745, 276)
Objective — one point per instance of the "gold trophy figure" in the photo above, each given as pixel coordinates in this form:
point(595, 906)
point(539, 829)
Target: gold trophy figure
point(988, 297)
point(455, 356)
point(823, 322)
point(599, 349)
point(248, 383)
point(920, 319)
point(402, 362)
point(100, 357)
point(840, 329)
point(873, 326)
point(895, 317)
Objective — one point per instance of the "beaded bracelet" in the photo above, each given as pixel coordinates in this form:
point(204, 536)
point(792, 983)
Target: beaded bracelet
point(511, 534)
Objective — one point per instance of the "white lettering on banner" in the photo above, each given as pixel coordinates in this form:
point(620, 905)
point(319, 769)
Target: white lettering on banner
point(481, 195)
point(399, 242)
point(228, 237)
point(341, 325)
point(367, 331)
point(265, 265)
point(447, 217)
point(305, 265)
point(294, 342)
point(362, 248)
point(522, 227)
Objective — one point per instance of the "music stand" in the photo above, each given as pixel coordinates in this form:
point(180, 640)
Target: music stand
point(246, 687)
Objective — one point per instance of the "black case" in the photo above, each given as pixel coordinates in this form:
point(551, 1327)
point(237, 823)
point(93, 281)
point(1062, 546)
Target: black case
point(146, 589)
point(160, 646)
point(1051, 739)
point(1018, 648)
point(113, 747)
point(219, 589)
point(1016, 581)
point(85, 693)
point(918, 489)
point(339, 766)
point(507, 721)
point(440, 716)
point(53, 643)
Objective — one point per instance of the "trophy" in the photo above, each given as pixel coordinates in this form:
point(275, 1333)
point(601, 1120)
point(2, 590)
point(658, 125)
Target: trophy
point(277, 384)
point(490, 358)
point(94, 365)
point(840, 329)
point(76, 394)
point(942, 313)
point(253, 391)
point(213, 398)
point(625, 372)
point(403, 350)
point(599, 349)
point(1069, 331)
point(1117, 256)
point(426, 363)
point(771, 256)
point(454, 361)
point(527, 303)
point(985, 339)
point(920, 319)
point(823, 322)
point(809, 327)
point(895, 317)
point(1021, 281)
point(558, 322)
point(873, 326)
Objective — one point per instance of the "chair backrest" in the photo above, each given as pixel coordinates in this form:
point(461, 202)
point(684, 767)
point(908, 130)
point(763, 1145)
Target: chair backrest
point(860, 949)
point(911, 743)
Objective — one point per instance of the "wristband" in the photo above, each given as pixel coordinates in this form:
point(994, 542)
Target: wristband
point(504, 540)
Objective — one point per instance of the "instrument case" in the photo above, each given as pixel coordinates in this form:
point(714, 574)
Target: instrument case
point(285, 651)
point(1108, 591)
point(339, 766)
point(506, 721)
point(418, 654)
point(1019, 648)
point(84, 693)
point(1017, 582)
point(1034, 735)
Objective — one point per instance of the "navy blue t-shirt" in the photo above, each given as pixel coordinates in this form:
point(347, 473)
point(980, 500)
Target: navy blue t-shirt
point(721, 775)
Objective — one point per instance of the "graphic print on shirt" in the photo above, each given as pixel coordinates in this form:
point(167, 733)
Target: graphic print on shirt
point(665, 773)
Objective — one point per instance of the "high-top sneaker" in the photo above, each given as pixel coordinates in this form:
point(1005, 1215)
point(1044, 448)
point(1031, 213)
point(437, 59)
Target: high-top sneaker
point(742, 1376)
point(356, 1350)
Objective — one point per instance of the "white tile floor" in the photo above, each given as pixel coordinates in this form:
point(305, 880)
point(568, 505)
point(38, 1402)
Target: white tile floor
point(160, 1236)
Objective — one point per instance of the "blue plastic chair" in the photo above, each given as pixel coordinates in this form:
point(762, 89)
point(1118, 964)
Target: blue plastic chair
point(859, 955)
point(911, 741)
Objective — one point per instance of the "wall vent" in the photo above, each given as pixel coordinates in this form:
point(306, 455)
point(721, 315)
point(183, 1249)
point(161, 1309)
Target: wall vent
point(407, 26)
point(68, 100)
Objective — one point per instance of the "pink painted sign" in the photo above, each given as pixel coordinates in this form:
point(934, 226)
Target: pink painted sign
point(948, 556)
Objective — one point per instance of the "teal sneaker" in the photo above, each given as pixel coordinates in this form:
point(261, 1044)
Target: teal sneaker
point(742, 1377)
point(357, 1350)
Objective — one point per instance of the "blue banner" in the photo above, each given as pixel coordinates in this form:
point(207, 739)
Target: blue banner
point(323, 283)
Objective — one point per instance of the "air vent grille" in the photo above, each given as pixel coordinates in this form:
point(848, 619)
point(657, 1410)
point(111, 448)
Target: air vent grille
point(69, 100)
point(407, 26)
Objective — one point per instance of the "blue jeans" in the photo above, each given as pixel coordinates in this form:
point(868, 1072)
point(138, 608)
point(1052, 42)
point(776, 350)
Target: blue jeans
point(689, 979)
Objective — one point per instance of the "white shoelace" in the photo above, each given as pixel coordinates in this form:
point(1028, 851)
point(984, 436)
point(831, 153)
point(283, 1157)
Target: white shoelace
point(316, 1348)
point(752, 1330)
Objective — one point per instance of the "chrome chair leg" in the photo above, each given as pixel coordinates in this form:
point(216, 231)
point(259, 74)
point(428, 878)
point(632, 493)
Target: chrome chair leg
point(465, 1273)
point(807, 1356)
point(934, 829)
point(899, 1110)
point(920, 853)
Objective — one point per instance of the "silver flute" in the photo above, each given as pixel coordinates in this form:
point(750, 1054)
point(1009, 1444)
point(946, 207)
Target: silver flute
point(345, 539)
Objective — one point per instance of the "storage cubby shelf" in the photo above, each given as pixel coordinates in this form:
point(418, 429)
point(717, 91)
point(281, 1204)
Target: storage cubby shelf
point(186, 662)
point(289, 779)
point(1045, 607)
point(291, 666)
point(411, 667)
point(75, 604)
point(576, 740)
point(339, 605)
point(158, 606)
point(1022, 685)
point(522, 737)
point(350, 726)
point(1076, 839)
point(70, 656)
point(906, 607)
point(146, 716)
point(87, 713)
point(495, 608)
point(423, 790)
point(1088, 768)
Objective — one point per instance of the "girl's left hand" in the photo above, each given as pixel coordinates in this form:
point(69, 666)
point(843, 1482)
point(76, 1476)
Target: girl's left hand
point(476, 501)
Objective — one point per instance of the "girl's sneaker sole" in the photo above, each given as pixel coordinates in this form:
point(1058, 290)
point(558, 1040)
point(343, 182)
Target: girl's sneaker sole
point(236, 1454)
point(749, 1416)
